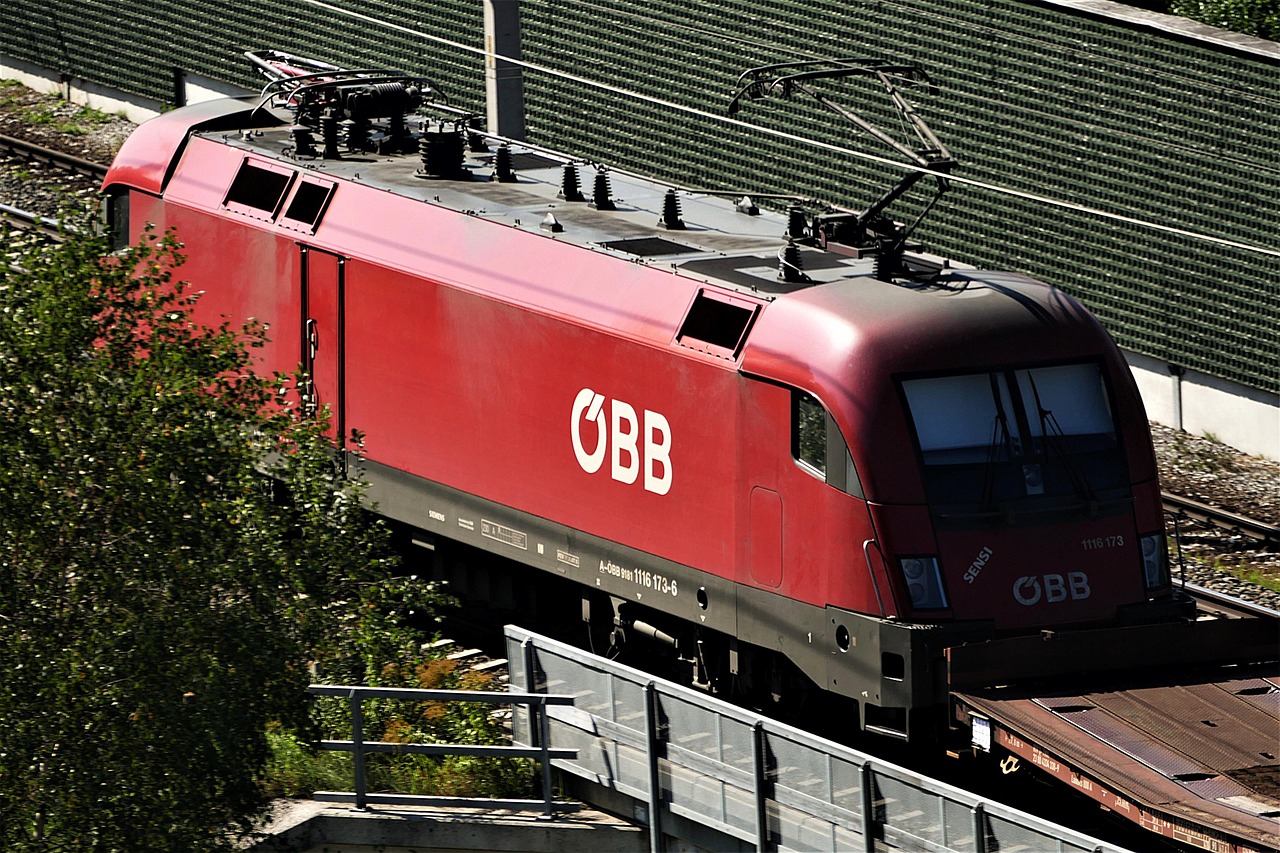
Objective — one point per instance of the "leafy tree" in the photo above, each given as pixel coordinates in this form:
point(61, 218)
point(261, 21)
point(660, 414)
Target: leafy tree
point(1259, 18)
point(159, 597)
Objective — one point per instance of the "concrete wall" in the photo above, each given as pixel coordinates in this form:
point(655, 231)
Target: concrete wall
point(1245, 418)
point(302, 826)
point(134, 107)
point(189, 88)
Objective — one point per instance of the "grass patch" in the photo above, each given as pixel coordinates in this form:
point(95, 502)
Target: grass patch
point(1267, 578)
point(1259, 577)
point(296, 769)
point(10, 92)
point(55, 115)
point(1207, 454)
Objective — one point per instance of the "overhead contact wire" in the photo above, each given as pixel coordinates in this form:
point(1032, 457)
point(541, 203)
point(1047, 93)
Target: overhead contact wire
point(964, 95)
point(782, 134)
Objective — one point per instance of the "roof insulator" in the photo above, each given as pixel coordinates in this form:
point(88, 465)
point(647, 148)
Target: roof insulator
point(329, 133)
point(602, 193)
point(502, 170)
point(475, 140)
point(355, 134)
point(442, 154)
point(397, 139)
point(303, 141)
point(888, 264)
point(570, 190)
point(671, 212)
point(790, 265)
point(797, 225)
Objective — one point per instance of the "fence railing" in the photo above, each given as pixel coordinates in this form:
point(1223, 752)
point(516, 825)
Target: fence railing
point(537, 703)
point(692, 764)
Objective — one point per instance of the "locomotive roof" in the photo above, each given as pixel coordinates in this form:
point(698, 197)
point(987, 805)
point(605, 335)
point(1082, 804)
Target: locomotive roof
point(838, 310)
point(717, 242)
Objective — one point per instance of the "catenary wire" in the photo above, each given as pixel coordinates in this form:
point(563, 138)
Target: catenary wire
point(637, 19)
point(837, 149)
point(1261, 100)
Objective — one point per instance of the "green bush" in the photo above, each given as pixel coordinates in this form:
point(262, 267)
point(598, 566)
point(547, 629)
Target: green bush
point(297, 768)
point(382, 648)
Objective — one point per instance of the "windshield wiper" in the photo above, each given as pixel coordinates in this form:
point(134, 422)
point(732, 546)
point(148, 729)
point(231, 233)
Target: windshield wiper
point(998, 427)
point(1052, 433)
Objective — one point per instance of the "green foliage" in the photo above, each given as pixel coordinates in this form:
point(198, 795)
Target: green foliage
point(11, 91)
point(159, 597)
point(295, 769)
point(49, 111)
point(440, 722)
point(383, 649)
point(1259, 18)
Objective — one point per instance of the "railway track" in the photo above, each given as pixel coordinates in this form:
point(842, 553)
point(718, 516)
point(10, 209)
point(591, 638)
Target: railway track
point(1182, 508)
point(1211, 604)
point(25, 220)
point(50, 157)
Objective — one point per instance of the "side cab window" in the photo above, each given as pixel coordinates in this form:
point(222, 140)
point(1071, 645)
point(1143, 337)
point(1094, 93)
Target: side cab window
point(115, 217)
point(816, 443)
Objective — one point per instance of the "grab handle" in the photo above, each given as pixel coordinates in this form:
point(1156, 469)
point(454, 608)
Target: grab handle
point(875, 585)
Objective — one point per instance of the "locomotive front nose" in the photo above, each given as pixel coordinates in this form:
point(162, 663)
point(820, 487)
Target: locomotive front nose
point(1054, 571)
point(1028, 497)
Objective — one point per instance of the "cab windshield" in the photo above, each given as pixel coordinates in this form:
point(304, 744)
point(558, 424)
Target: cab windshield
point(1015, 440)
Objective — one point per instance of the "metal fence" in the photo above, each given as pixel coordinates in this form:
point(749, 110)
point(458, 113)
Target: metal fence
point(536, 705)
point(685, 755)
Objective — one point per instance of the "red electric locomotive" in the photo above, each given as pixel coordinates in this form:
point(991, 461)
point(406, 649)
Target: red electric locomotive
point(780, 442)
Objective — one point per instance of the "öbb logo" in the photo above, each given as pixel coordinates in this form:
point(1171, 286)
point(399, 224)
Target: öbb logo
point(622, 434)
point(1029, 589)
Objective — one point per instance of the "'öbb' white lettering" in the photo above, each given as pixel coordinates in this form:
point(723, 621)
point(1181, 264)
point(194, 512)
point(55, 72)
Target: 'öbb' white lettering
point(623, 434)
point(1030, 590)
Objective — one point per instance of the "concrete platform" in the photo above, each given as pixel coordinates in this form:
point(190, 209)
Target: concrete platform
point(305, 826)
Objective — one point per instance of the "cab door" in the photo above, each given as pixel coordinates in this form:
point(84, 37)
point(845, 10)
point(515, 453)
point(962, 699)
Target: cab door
point(322, 356)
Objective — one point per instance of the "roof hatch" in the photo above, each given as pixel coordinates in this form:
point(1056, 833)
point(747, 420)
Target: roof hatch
point(717, 324)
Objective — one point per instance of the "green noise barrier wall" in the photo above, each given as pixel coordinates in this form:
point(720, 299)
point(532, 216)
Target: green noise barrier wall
point(1044, 99)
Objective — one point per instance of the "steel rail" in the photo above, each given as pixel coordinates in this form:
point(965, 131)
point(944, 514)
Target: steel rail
point(1186, 508)
point(59, 159)
point(1220, 605)
point(25, 220)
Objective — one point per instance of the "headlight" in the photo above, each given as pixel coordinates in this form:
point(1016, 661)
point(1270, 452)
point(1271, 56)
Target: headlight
point(1154, 570)
point(924, 582)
